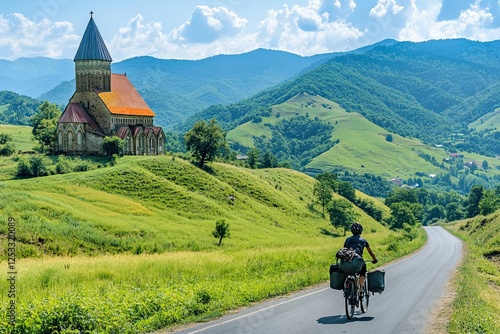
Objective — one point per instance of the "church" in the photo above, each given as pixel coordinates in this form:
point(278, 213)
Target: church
point(104, 105)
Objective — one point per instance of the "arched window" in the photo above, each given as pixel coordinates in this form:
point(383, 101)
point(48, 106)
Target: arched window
point(60, 140)
point(160, 142)
point(79, 139)
point(70, 140)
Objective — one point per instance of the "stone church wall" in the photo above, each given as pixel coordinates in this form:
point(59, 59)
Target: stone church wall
point(96, 108)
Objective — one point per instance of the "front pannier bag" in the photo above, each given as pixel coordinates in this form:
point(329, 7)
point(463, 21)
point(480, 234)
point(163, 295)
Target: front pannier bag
point(336, 277)
point(376, 280)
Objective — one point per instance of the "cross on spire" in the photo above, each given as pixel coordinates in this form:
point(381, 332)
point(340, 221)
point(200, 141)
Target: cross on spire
point(91, 12)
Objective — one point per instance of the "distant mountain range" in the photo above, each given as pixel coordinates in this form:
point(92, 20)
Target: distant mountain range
point(174, 89)
point(445, 93)
point(34, 76)
point(427, 90)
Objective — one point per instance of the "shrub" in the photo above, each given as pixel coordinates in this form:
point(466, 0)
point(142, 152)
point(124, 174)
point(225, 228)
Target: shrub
point(7, 149)
point(35, 165)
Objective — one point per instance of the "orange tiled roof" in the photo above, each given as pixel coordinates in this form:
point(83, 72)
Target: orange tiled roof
point(124, 99)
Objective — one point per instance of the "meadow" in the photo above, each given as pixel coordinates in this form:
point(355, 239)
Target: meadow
point(476, 305)
point(128, 248)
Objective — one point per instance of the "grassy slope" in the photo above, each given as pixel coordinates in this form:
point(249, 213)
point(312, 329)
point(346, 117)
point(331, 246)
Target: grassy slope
point(161, 204)
point(21, 136)
point(476, 307)
point(164, 209)
point(489, 121)
point(361, 142)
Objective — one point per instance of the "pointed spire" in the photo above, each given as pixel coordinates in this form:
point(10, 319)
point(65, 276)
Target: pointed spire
point(92, 46)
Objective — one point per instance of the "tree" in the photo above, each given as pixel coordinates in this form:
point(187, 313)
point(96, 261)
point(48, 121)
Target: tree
point(472, 202)
point(454, 212)
point(205, 141)
point(113, 145)
point(489, 203)
point(403, 213)
point(221, 230)
point(435, 212)
point(323, 193)
point(388, 137)
point(345, 189)
point(44, 123)
point(269, 160)
point(253, 157)
point(341, 214)
point(35, 165)
point(6, 146)
point(401, 195)
point(330, 177)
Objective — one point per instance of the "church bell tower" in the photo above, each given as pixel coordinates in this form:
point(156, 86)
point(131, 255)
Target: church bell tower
point(92, 61)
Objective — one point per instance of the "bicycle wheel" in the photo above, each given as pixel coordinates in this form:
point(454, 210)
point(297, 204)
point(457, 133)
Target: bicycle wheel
point(350, 297)
point(364, 299)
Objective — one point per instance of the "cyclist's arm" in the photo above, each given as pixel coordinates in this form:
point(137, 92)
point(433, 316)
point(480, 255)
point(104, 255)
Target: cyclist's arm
point(371, 254)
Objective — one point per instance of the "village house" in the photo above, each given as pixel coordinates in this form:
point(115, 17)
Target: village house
point(105, 105)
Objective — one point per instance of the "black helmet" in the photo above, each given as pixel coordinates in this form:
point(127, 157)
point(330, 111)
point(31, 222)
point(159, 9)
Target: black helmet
point(356, 228)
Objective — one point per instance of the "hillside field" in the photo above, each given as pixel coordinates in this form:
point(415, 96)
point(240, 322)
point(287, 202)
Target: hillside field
point(362, 146)
point(129, 249)
point(490, 121)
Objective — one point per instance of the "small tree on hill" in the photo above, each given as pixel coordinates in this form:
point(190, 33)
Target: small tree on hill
point(221, 230)
point(342, 214)
point(205, 141)
point(322, 193)
point(44, 124)
point(6, 146)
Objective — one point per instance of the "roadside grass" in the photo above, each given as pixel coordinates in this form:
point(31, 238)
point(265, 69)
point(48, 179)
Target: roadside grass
point(141, 293)
point(128, 248)
point(476, 308)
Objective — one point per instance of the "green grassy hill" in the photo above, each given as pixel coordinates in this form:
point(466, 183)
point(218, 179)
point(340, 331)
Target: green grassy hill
point(160, 204)
point(129, 248)
point(362, 145)
point(490, 121)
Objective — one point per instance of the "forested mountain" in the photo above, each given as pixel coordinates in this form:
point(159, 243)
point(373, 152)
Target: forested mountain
point(426, 90)
point(34, 76)
point(176, 89)
point(17, 109)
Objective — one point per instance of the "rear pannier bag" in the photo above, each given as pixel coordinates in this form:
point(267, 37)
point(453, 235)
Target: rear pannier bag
point(351, 267)
point(336, 277)
point(350, 261)
point(376, 280)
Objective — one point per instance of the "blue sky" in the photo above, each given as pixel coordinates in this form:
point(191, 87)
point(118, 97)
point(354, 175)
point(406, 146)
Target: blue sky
point(196, 29)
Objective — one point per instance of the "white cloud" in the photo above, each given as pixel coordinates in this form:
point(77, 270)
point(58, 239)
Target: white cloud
point(386, 6)
point(21, 37)
point(308, 30)
point(207, 25)
point(473, 23)
point(138, 39)
point(218, 25)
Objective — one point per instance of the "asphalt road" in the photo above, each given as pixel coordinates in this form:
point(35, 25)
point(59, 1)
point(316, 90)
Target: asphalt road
point(413, 286)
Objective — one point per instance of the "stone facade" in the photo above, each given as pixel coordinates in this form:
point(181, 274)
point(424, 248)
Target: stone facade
point(105, 104)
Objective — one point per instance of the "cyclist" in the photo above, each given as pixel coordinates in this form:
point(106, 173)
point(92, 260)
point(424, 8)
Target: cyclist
point(358, 244)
